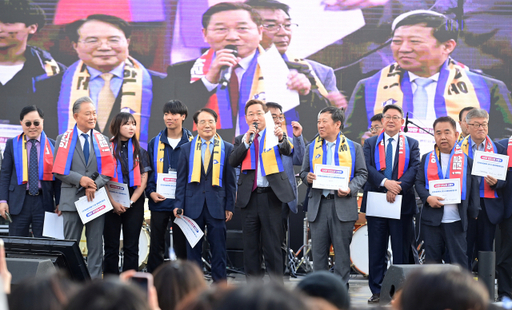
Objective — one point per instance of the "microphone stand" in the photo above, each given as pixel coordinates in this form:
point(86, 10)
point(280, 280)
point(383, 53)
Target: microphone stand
point(411, 122)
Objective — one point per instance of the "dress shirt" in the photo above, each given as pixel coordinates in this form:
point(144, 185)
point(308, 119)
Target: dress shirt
point(96, 82)
point(38, 147)
point(82, 139)
point(394, 143)
point(203, 147)
point(431, 94)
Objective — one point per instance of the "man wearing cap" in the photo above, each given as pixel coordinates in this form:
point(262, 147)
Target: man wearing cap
point(425, 81)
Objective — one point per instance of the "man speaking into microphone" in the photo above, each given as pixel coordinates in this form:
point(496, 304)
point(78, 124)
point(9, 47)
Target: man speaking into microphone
point(263, 187)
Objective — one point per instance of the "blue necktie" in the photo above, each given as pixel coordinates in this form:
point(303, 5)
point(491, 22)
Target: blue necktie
point(33, 171)
point(389, 160)
point(86, 147)
point(420, 98)
point(328, 161)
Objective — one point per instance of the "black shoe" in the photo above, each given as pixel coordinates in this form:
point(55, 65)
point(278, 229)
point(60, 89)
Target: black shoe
point(374, 299)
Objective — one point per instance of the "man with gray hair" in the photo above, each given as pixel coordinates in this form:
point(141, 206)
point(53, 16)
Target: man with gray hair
point(82, 152)
point(481, 230)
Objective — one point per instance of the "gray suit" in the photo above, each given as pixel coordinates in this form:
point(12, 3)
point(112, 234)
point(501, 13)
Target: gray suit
point(332, 220)
point(73, 225)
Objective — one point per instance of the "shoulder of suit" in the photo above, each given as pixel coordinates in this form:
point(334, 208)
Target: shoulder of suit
point(184, 65)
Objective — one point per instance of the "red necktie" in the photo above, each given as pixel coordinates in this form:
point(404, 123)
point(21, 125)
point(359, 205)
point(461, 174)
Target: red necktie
point(257, 151)
point(233, 93)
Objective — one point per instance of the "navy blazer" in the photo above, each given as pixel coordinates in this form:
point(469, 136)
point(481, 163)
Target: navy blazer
point(14, 193)
point(191, 197)
point(495, 207)
point(375, 177)
point(507, 191)
point(467, 208)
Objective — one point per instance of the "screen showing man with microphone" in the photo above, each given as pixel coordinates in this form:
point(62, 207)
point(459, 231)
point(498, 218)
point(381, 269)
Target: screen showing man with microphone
point(262, 188)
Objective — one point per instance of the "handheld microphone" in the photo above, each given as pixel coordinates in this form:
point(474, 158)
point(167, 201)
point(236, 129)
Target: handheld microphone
point(94, 176)
point(225, 71)
point(406, 122)
point(252, 134)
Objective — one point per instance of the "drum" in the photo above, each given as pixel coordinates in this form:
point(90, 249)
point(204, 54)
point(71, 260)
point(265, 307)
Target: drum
point(359, 250)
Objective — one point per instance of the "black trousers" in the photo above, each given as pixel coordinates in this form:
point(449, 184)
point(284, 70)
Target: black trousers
point(449, 236)
point(131, 222)
point(31, 213)
point(263, 229)
point(159, 222)
point(504, 259)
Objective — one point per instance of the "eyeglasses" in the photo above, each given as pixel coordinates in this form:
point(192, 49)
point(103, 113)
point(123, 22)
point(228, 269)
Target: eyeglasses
point(95, 42)
point(477, 125)
point(203, 122)
point(251, 115)
point(272, 27)
point(394, 118)
point(29, 123)
point(375, 129)
point(280, 118)
point(225, 30)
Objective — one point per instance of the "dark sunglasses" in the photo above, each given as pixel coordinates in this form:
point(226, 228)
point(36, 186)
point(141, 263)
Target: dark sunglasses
point(29, 123)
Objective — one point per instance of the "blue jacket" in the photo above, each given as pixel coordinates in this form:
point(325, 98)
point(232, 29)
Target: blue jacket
point(171, 157)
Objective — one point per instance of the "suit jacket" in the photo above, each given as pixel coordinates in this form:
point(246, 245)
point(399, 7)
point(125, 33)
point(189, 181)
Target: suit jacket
point(79, 168)
point(325, 75)
point(358, 120)
point(294, 160)
point(278, 181)
point(196, 96)
point(191, 197)
point(14, 193)
point(50, 90)
point(375, 177)
point(346, 207)
point(507, 191)
point(467, 208)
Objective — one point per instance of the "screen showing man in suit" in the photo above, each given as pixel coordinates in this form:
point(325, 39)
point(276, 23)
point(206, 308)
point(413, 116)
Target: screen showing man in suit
point(27, 185)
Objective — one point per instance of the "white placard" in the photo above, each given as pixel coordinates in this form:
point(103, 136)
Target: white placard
point(271, 139)
point(378, 206)
point(53, 225)
point(449, 189)
point(89, 210)
point(275, 72)
point(166, 184)
point(331, 177)
point(119, 192)
point(487, 163)
point(190, 229)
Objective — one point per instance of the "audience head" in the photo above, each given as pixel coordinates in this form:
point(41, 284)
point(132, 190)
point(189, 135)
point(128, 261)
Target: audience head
point(256, 296)
point(422, 41)
point(84, 113)
point(48, 292)
point(454, 290)
point(101, 41)
point(175, 113)
point(445, 133)
point(392, 119)
point(325, 285)
point(205, 300)
point(255, 113)
point(462, 120)
point(276, 22)
point(376, 124)
point(478, 124)
point(234, 23)
point(109, 294)
point(175, 280)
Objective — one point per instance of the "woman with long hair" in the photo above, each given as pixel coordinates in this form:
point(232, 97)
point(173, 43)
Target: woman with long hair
point(132, 169)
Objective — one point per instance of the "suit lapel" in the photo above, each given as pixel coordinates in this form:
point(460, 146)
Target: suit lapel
point(78, 148)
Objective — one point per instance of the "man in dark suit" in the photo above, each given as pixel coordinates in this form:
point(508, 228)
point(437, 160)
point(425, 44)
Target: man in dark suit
point(332, 213)
point(197, 82)
point(27, 185)
point(401, 155)
point(444, 226)
point(75, 162)
point(106, 73)
point(205, 189)
point(263, 187)
point(481, 231)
